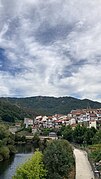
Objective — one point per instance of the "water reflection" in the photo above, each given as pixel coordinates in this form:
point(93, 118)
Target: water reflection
point(25, 148)
point(8, 167)
point(5, 165)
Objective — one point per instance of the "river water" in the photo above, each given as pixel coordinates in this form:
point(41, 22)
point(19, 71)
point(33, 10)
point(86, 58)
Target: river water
point(8, 167)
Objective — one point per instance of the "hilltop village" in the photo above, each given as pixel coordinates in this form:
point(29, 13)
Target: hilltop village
point(84, 117)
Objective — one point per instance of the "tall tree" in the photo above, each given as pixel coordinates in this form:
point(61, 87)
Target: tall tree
point(58, 159)
point(78, 134)
point(89, 134)
point(68, 133)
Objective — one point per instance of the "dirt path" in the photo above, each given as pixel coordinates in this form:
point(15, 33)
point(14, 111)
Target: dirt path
point(83, 168)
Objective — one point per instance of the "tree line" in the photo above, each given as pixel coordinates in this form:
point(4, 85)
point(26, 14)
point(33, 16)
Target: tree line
point(80, 134)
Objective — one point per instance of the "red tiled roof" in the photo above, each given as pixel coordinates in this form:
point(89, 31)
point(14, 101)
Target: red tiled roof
point(58, 121)
point(92, 115)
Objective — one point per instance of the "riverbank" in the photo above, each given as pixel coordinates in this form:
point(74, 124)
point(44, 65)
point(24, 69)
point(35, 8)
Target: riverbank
point(8, 167)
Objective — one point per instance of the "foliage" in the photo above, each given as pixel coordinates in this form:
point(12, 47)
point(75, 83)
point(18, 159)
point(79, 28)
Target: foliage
point(89, 134)
point(8, 117)
point(95, 152)
point(96, 155)
point(78, 134)
point(29, 129)
point(58, 159)
point(24, 107)
point(36, 137)
point(6, 142)
point(4, 133)
point(11, 139)
point(60, 130)
point(12, 149)
point(32, 169)
point(36, 140)
point(10, 112)
point(97, 138)
point(43, 144)
point(46, 131)
point(20, 138)
point(67, 133)
point(4, 151)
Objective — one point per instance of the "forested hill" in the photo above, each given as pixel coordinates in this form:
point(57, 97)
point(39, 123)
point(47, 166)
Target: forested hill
point(30, 106)
point(10, 111)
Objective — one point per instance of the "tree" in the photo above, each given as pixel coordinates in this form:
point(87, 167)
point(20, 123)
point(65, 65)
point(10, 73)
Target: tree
point(60, 130)
point(8, 118)
point(6, 143)
point(4, 151)
point(32, 169)
point(68, 133)
point(97, 138)
point(89, 134)
point(58, 159)
point(78, 134)
point(4, 133)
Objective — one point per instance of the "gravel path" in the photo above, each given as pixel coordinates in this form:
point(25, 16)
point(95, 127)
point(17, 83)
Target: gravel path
point(83, 168)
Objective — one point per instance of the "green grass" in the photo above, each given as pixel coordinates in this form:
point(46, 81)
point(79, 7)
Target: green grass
point(95, 152)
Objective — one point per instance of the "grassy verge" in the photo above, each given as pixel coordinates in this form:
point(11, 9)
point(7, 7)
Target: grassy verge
point(94, 154)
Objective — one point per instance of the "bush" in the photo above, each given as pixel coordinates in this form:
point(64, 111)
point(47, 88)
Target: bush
point(20, 138)
point(97, 138)
point(12, 149)
point(4, 151)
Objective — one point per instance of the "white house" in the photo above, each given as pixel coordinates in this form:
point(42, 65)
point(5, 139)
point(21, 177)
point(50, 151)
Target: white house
point(28, 122)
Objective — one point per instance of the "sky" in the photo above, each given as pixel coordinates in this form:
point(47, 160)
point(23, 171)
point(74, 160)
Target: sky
point(50, 48)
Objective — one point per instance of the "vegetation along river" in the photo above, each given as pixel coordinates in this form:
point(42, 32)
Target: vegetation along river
point(8, 167)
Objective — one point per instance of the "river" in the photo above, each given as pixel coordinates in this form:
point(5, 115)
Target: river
point(8, 167)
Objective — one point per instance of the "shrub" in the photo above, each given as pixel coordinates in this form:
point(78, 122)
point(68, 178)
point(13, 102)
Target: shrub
point(12, 149)
point(4, 151)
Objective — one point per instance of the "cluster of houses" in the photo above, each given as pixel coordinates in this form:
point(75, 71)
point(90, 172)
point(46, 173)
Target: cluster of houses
point(88, 117)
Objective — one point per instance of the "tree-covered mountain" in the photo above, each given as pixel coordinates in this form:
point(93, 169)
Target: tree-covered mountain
point(18, 108)
point(10, 112)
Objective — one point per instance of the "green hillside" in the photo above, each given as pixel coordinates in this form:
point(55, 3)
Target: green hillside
point(18, 108)
point(51, 105)
point(10, 112)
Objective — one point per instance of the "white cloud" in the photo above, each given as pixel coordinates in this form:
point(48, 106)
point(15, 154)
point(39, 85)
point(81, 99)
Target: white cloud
point(52, 48)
